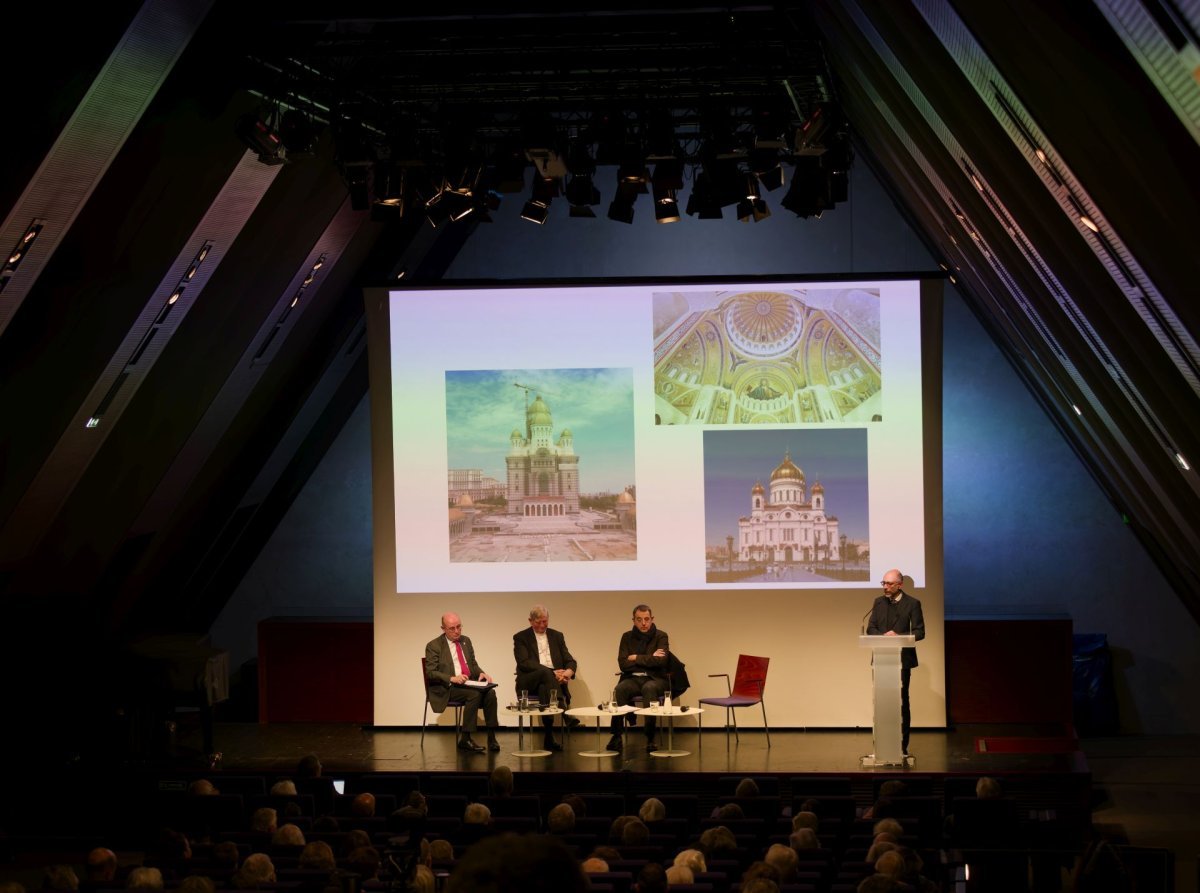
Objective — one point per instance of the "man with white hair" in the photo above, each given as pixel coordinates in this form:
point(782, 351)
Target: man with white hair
point(544, 664)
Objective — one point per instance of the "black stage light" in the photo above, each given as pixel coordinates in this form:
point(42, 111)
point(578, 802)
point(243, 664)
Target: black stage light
point(258, 132)
point(666, 207)
point(621, 208)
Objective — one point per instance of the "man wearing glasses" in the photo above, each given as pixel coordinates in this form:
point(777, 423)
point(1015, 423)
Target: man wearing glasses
point(450, 663)
point(896, 613)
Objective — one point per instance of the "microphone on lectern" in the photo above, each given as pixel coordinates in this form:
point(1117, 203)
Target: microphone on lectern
point(864, 620)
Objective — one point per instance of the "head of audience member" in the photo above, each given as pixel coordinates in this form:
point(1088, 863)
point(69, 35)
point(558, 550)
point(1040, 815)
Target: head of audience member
point(651, 879)
point(61, 878)
point(812, 804)
point(174, 846)
point(355, 838)
point(406, 820)
point(652, 810)
point(288, 835)
point(12, 887)
point(326, 823)
point(893, 787)
point(617, 827)
point(760, 885)
point(594, 865)
point(888, 826)
point(423, 880)
point(309, 766)
point(760, 869)
point(202, 787)
point(225, 857)
point(913, 866)
point(635, 833)
point(806, 819)
point(441, 851)
point(561, 819)
point(890, 862)
point(878, 848)
point(804, 839)
point(363, 805)
point(285, 787)
point(101, 865)
point(785, 861)
point(877, 883)
point(528, 863)
point(365, 862)
point(680, 874)
point(987, 788)
point(693, 859)
point(197, 883)
point(500, 782)
point(264, 820)
point(477, 814)
point(718, 843)
point(317, 856)
point(746, 788)
point(609, 854)
point(144, 878)
point(416, 800)
point(577, 804)
point(257, 871)
point(730, 812)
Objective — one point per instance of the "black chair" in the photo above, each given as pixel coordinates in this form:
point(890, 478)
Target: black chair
point(457, 704)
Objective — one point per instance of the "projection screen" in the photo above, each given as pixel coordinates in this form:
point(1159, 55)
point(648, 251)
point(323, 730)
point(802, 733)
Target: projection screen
point(747, 458)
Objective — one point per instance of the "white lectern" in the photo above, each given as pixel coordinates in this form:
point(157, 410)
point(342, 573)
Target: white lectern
point(885, 673)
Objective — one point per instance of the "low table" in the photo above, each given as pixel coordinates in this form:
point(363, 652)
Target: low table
point(598, 712)
point(669, 713)
point(521, 714)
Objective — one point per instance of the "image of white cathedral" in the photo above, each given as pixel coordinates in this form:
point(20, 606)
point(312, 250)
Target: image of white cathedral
point(543, 473)
point(787, 522)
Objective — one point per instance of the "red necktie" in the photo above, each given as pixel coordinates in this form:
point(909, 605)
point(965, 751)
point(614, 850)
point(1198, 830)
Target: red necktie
point(462, 660)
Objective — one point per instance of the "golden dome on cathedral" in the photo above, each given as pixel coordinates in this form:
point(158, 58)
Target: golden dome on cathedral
point(787, 471)
point(758, 487)
point(818, 488)
point(538, 412)
point(625, 498)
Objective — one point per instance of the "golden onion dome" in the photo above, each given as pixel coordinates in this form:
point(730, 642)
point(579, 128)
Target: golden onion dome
point(818, 488)
point(758, 487)
point(625, 498)
point(787, 471)
point(538, 413)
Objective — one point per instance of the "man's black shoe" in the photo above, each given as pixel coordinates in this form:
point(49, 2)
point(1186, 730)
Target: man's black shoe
point(465, 743)
point(571, 721)
point(651, 745)
point(551, 744)
point(614, 743)
point(493, 744)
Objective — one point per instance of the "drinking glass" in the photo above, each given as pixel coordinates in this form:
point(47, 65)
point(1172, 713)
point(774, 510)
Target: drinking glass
point(553, 699)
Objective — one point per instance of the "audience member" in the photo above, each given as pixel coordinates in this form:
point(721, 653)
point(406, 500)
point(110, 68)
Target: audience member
point(760, 885)
point(730, 812)
point(257, 871)
point(888, 826)
point(355, 838)
point(594, 865)
point(101, 866)
point(416, 800)
point(500, 782)
point(652, 811)
point(561, 819)
point(60, 878)
point(718, 843)
point(651, 879)
point(785, 861)
point(477, 814)
point(285, 787)
point(806, 819)
point(987, 789)
point(760, 869)
point(635, 833)
point(309, 766)
point(325, 824)
point(317, 856)
point(423, 880)
point(363, 805)
point(441, 852)
point(264, 820)
point(12, 887)
point(225, 858)
point(878, 848)
point(144, 878)
point(746, 789)
point(577, 804)
point(680, 874)
point(288, 835)
point(517, 864)
point(877, 883)
point(173, 847)
point(365, 862)
point(197, 883)
point(618, 826)
point(889, 862)
point(804, 839)
point(202, 787)
point(609, 854)
point(693, 859)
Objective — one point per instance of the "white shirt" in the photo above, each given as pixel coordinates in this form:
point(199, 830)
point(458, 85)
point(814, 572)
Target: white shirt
point(543, 643)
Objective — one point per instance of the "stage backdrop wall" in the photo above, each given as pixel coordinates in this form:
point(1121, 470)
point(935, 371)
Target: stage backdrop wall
point(1027, 530)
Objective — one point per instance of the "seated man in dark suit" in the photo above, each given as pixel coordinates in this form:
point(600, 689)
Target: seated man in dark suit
point(643, 658)
point(450, 661)
point(544, 664)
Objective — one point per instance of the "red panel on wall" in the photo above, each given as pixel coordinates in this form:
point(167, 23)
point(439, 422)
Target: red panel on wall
point(315, 669)
point(1009, 671)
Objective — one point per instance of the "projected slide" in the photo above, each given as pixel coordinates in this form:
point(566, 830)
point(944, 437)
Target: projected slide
point(656, 436)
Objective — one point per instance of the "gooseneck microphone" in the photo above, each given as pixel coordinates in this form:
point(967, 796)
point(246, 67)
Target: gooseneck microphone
point(870, 610)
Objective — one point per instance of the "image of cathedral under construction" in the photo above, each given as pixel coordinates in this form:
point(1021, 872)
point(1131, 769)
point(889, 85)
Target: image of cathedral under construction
point(538, 509)
point(767, 357)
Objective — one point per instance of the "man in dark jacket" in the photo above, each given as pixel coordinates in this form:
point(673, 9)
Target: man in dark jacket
point(642, 657)
point(544, 664)
point(896, 613)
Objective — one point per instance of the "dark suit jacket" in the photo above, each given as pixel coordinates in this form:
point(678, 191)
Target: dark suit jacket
point(907, 617)
point(440, 665)
point(525, 651)
point(645, 662)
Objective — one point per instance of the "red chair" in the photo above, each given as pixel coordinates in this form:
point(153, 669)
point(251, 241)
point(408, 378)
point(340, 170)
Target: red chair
point(456, 703)
point(747, 690)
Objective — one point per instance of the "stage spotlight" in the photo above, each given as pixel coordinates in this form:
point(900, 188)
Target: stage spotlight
point(582, 195)
point(633, 175)
point(621, 208)
point(810, 137)
point(259, 133)
point(703, 201)
point(666, 207)
point(766, 165)
point(808, 195)
point(537, 209)
point(298, 133)
point(535, 212)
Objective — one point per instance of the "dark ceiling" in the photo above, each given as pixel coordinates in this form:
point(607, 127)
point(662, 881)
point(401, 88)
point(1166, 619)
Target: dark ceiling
point(176, 379)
